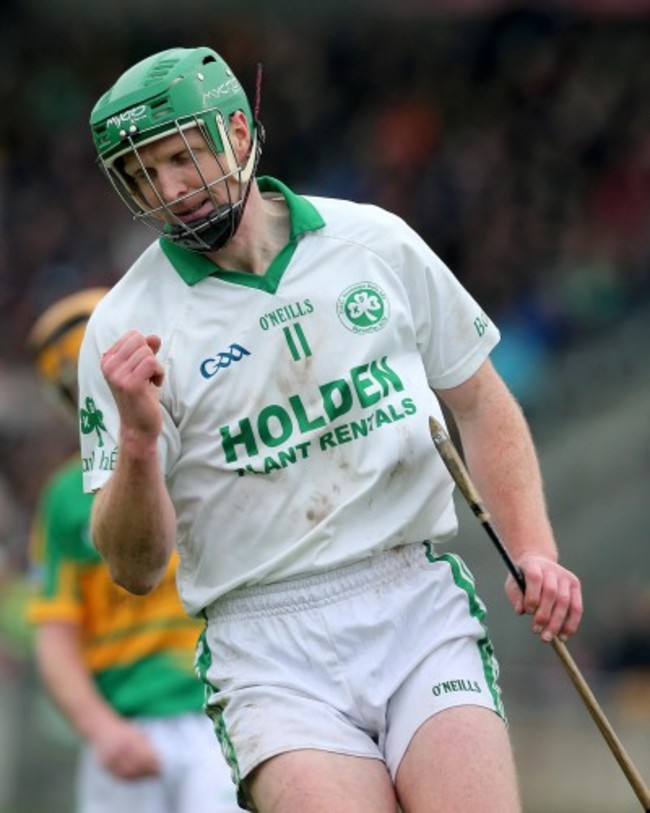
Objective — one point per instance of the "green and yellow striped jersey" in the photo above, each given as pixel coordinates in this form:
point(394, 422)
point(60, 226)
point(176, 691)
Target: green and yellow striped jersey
point(140, 649)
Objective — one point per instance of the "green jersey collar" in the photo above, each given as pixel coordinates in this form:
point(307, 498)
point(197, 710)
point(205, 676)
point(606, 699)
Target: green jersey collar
point(304, 217)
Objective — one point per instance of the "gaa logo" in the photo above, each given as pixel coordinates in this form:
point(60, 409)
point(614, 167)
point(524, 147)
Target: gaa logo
point(363, 308)
point(211, 366)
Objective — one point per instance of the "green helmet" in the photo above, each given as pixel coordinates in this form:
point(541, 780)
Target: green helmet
point(166, 94)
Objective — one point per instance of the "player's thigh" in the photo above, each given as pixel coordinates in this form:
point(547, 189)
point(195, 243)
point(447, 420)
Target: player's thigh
point(311, 781)
point(459, 760)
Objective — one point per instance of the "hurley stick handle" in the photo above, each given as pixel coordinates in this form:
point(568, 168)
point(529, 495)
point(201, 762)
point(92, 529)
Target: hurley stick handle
point(460, 476)
point(459, 473)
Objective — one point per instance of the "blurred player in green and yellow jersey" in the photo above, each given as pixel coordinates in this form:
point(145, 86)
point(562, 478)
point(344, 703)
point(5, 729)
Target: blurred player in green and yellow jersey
point(118, 666)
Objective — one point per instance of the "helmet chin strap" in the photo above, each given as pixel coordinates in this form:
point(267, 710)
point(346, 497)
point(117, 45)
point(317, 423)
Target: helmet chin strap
point(232, 163)
point(247, 171)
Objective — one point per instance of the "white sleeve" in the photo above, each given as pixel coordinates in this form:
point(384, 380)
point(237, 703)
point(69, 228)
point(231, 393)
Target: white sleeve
point(453, 333)
point(99, 421)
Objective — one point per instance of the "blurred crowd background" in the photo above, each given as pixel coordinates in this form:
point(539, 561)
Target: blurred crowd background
point(515, 137)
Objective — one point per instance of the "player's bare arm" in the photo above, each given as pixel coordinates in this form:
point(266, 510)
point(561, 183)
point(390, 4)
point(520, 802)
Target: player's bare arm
point(122, 747)
point(133, 520)
point(501, 458)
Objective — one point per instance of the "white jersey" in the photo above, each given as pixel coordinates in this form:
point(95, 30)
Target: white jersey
point(296, 404)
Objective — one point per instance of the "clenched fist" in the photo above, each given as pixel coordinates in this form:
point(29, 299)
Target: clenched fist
point(135, 375)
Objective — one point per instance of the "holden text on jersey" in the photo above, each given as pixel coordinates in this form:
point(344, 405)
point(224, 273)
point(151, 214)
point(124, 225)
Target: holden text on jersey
point(276, 425)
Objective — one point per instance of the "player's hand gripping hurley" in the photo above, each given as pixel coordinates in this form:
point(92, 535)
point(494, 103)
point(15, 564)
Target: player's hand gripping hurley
point(460, 475)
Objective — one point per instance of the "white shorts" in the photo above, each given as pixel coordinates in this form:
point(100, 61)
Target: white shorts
point(352, 661)
point(194, 776)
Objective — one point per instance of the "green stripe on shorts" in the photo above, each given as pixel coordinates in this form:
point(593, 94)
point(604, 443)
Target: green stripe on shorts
point(202, 663)
point(465, 581)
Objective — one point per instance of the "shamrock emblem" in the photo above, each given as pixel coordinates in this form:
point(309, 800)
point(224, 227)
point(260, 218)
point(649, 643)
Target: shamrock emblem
point(92, 420)
point(365, 304)
point(363, 307)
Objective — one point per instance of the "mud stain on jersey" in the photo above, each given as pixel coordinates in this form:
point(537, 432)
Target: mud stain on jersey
point(321, 507)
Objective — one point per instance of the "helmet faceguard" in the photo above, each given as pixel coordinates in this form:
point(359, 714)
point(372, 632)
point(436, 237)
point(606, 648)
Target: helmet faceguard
point(55, 339)
point(172, 93)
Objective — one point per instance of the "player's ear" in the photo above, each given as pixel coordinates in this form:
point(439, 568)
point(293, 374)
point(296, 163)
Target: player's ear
point(240, 134)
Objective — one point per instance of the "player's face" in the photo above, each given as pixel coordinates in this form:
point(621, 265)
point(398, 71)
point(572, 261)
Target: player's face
point(175, 182)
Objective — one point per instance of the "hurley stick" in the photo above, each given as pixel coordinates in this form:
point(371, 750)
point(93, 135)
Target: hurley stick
point(460, 475)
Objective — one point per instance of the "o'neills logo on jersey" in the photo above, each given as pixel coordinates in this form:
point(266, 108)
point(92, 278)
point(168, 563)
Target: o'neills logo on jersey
point(363, 307)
